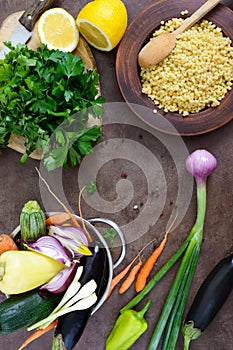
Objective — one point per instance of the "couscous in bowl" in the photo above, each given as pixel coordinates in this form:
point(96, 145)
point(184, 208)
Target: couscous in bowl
point(161, 113)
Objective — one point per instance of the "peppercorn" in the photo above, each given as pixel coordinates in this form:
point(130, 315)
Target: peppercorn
point(129, 326)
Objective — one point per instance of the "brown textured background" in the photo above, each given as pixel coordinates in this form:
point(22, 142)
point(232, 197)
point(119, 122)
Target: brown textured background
point(19, 183)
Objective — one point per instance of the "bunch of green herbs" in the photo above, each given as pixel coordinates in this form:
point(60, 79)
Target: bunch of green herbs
point(46, 96)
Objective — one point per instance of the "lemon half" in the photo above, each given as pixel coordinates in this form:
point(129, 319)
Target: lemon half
point(58, 30)
point(103, 23)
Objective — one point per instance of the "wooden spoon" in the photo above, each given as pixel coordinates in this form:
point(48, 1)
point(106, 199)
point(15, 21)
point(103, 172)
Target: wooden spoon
point(160, 46)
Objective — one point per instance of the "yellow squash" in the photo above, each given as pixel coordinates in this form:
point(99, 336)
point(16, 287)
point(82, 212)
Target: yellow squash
point(21, 271)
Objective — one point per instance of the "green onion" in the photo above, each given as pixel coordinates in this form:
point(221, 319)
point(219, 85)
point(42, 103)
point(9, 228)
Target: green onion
point(76, 297)
point(200, 164)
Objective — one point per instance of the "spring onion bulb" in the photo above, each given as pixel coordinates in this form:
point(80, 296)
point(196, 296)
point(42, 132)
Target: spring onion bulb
point(77, 297)
point(200, 164)
point(71, 290)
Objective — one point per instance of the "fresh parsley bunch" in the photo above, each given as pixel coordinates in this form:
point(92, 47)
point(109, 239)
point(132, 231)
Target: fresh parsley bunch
point(46, 97)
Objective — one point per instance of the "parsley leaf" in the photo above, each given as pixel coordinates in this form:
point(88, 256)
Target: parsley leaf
point(46, 96)
point(91, 188)
point(110, 234)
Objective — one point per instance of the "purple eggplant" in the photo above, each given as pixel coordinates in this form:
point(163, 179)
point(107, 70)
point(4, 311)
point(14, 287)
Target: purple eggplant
point(71, 326)
point(209, 299)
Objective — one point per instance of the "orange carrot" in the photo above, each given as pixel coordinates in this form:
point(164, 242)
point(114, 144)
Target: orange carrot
point(130, 279)
point(37, 334)
point(119, 277)
point(124, 272)
point(150, 262)
point(7, 243)
point(57, 219)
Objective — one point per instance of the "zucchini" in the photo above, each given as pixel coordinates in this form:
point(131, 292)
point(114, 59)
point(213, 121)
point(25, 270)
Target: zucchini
point(22, 310)
point(32, 221)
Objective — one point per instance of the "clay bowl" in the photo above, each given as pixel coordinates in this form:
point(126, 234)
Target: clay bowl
point(127, 70)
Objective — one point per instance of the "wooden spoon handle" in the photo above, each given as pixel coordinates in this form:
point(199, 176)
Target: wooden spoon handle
point(201, 12)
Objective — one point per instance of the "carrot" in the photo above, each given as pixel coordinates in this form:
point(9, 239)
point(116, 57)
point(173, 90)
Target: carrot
point(119, 277)
point(7, 243)
point(37, 334)
point(73, 219)
point(130, 279)
point(150, 262)
point(57, 219)
point(148, 266)
point(124, 272)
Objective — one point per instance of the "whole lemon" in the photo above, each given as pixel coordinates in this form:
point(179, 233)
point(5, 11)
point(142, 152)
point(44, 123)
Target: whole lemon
point(103, 23)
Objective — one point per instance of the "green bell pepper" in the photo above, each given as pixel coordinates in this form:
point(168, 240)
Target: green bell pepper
point(129, 326)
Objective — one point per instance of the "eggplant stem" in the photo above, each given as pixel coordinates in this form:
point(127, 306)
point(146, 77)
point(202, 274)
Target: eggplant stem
point(190, 333)
point(186, 343)
point(58, 343)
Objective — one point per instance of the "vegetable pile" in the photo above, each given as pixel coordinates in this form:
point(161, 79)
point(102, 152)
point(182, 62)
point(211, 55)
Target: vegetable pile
point(71, 277)
point(41, 93)
point(62, 276)
point(211, 296)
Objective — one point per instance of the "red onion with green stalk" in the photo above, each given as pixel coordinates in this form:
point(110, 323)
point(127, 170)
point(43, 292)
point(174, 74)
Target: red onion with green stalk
point(200, 164)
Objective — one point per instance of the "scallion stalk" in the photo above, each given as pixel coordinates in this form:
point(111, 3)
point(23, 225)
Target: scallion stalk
point(200, 164)
point(173, 324)
point(76, 297)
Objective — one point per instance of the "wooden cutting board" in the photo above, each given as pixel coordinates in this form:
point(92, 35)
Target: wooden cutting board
point(83, 50)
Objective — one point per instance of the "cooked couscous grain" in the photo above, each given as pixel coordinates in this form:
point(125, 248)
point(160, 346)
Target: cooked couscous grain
point(197, 74)
point(183, 13)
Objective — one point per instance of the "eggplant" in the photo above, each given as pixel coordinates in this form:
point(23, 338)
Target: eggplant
point(71, 325)
point(209, 299)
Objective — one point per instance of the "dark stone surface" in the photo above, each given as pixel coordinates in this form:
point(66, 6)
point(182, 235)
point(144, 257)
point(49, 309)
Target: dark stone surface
point(19, 183)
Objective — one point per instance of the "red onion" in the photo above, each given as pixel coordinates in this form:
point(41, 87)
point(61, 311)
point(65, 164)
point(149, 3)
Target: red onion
point(201, 164)
point(51, 247)
point(72, 238)
point(62, 280)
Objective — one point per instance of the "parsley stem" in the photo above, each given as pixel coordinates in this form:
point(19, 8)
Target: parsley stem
point(64, 114)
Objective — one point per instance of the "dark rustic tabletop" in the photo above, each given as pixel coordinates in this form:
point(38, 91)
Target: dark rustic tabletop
point(135, 209)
